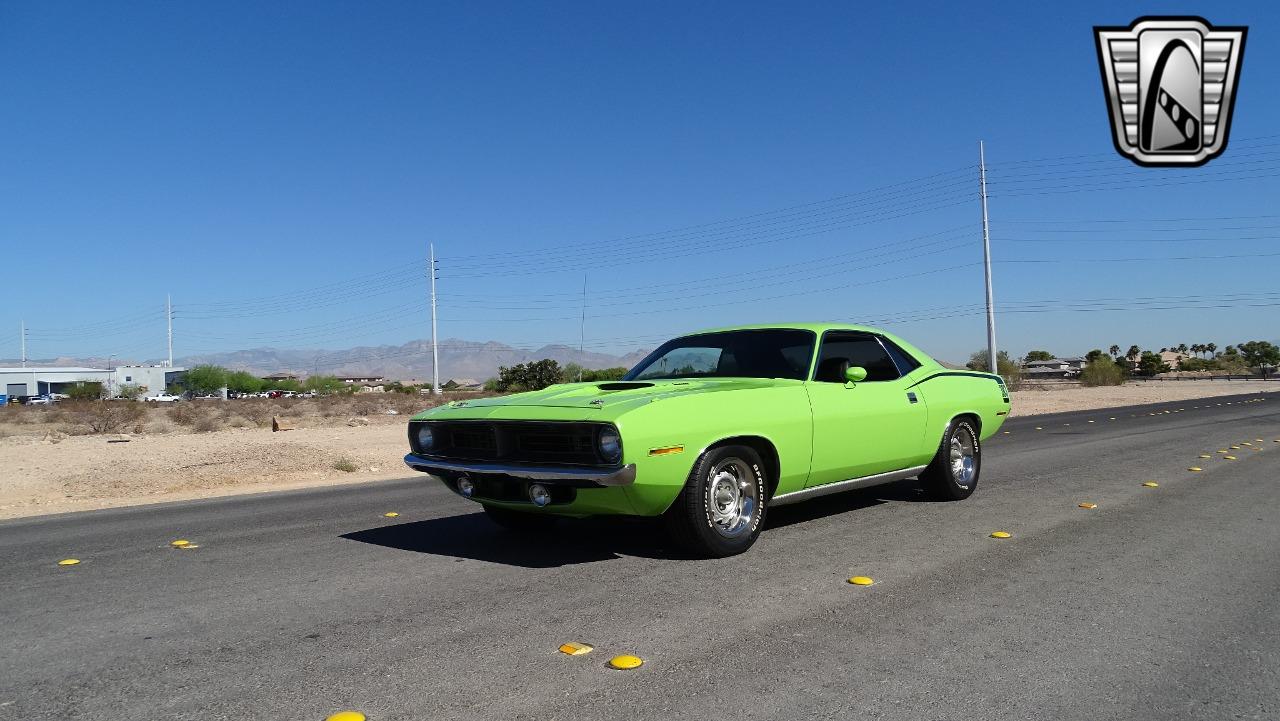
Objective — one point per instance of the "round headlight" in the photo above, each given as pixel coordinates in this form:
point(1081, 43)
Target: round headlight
point(610, 445)
point(424, 437)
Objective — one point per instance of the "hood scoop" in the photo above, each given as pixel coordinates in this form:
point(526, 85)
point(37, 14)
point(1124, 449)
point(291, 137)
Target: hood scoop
point(623, 386)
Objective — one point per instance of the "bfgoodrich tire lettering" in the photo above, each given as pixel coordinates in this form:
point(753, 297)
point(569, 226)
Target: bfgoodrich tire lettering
point(953, 473)
point(722, 506)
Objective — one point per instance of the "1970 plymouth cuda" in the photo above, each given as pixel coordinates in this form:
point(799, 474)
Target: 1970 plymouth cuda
point(712, 429)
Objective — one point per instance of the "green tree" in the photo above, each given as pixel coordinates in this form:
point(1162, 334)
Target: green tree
point(572, 372)
point(1102, 371)
point(528, 376)
point(85, 391)
point(1211, 348)
point(1093, 355)
point(129, 391)
point(243, 382)
point(1115, 351)
point(325, 385)
point(1010, 371)
point(1151, 363)
point(287, 384)
point(204, 380)
point(1259, 353)
point(1038, 355)
point(1133, 353)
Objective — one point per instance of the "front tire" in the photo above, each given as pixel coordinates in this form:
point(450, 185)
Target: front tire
point(953, 473)
point(721, 509)
point(520, 521)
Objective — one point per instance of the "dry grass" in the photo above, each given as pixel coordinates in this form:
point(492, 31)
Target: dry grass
point(206, 416)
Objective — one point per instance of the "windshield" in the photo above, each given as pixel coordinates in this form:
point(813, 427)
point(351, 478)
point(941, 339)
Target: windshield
point(767, 353)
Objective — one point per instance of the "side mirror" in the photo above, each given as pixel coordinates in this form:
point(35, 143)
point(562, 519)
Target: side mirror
point(855, 374)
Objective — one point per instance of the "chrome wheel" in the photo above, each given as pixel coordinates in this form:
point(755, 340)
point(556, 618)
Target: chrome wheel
point(963, 453)
point(732, 497)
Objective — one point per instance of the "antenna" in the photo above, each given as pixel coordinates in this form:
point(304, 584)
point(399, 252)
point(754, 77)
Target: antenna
point(582, 326)
point(435, 350)
point(22, 333)
point(986, 257)
point(168, 313)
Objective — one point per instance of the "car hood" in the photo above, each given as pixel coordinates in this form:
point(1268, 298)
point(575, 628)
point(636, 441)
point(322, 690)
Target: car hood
point(614, 395)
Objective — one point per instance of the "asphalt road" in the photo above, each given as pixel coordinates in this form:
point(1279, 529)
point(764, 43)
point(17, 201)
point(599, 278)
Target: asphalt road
point(1160, 603)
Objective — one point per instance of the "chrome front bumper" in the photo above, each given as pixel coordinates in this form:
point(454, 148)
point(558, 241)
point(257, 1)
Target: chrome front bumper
point(558, 475)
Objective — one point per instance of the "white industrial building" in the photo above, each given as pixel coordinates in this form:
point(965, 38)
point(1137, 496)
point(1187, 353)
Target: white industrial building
point(26, 382)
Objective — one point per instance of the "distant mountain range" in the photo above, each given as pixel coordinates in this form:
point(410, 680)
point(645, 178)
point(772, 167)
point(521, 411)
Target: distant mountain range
point(411, 361)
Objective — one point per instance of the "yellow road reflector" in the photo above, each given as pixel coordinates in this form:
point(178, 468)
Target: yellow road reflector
point(189, 546)
point(1246, 443)
point(1195, 468)
point(391, 514)
point(346, 716)
point(1007, 433)
point(1228, 458)
point(1235, 448)
point(1111, 418)
point(1259, 440)
point(1151, 484)
point(861, 581)
point(625, 662)
point(1090, 421)
point(1223, 450)
point(1089, 505)
point(1038, 428)
point(1276, 440)
point(573, 648)
point(1001, 534)
point(179, 543)
point(666, 450)
point(68, 562)
point(1205, 455)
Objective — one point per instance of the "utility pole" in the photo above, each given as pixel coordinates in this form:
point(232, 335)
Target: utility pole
point(22, 333)
point(986, 257)
point(168, 312)
point(582, 326)
point(435, 350)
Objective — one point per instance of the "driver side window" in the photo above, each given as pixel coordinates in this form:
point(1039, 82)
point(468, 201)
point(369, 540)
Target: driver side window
point(841, 351)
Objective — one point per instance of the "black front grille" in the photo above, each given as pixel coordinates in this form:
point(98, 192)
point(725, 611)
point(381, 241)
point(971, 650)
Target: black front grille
point(514, 441)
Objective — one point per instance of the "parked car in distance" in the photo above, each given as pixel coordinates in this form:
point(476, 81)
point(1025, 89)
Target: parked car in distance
point(161, 398)
point(712, 429)
point(41, 400)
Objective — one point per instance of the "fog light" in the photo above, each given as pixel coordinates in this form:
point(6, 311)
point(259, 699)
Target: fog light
point(539, 495)
point(466, 487)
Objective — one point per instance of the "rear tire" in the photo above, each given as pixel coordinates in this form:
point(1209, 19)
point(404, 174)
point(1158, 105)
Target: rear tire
point(953, 473)
point(520, 521)
point(721, 509)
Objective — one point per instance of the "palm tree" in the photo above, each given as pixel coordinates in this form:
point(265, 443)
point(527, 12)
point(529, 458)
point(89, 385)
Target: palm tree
point(1210, 348)
point(1162, 350)
point(1115, 351)
point(1182, 348)
point(1196, 348)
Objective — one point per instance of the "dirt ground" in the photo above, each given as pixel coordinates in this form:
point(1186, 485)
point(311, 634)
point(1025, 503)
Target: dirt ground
point(44, 468)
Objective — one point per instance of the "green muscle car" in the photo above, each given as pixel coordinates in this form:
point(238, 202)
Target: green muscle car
point(712, 429)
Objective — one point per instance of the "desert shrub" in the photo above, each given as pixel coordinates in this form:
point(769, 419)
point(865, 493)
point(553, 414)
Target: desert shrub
point(85, 391)
point(256, 411)
point(1102, 372)
point(184, 414)
point(106, 416)
point(206, 424)
point(129, 391)
point(346, 465)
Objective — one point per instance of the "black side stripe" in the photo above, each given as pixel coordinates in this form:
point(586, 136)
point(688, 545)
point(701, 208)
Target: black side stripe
point(952, 373)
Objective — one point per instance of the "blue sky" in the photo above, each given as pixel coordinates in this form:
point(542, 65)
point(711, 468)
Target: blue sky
point(281, 167)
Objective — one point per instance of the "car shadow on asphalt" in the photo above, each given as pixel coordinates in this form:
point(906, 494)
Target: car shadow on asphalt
point(569, 542)
point(908, 491)
point(577, 541)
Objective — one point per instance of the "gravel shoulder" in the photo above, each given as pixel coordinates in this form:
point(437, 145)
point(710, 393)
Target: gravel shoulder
point(50, 474)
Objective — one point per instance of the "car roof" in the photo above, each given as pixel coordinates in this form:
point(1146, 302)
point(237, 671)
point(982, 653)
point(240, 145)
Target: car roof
point(815, 327)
